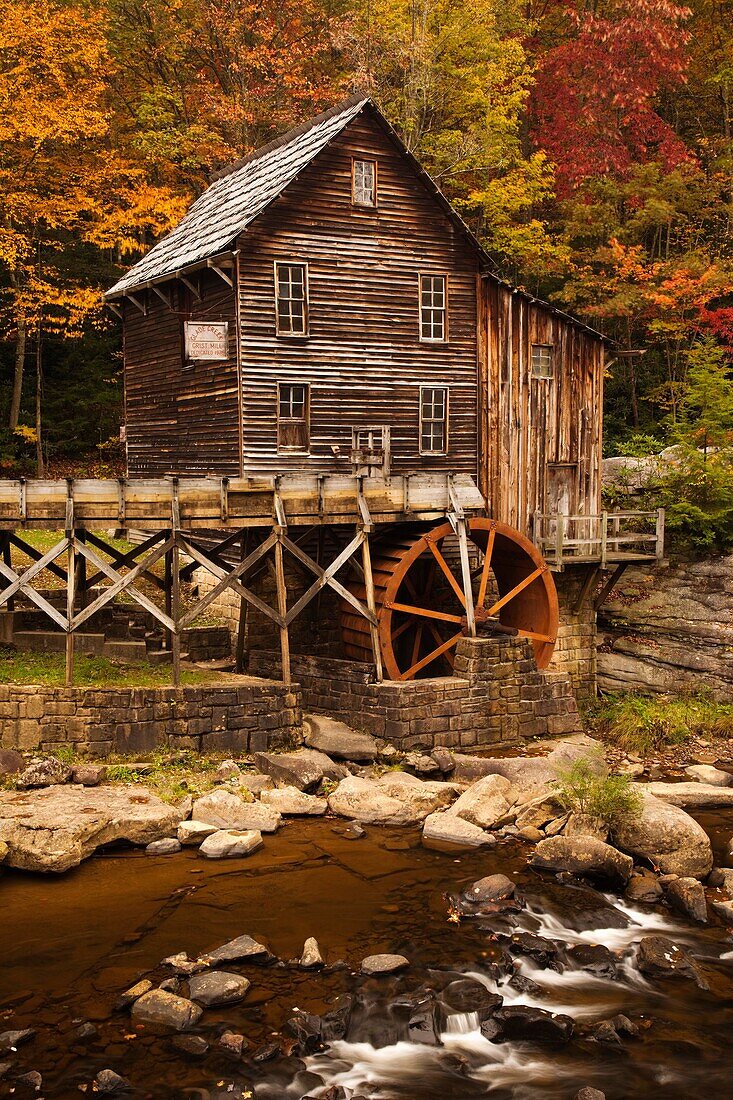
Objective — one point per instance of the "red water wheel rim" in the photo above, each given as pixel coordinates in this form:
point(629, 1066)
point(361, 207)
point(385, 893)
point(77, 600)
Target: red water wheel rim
point(512, 585)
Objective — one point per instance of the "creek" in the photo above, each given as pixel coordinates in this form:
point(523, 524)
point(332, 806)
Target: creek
point(72, 944)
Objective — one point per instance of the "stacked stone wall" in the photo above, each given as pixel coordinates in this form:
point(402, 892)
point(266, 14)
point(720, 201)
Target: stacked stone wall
point(244, 717)
point(497, 696)
point(576, 650)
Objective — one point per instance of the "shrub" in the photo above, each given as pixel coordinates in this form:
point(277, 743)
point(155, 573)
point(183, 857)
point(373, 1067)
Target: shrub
point(607, 798)
point(643, 725)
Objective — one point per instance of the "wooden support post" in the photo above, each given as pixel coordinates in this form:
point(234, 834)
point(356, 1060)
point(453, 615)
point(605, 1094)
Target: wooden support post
point(80, 582)
point(6, 556)
point(242, 624)
point(70, 600)
point(591, 577)
point(282, 607)
point(176, 611)
point(466, 575)
point(610, 585)
point(660, 534)
point(604, 539)
point(168, 582)
point(559, 540)
point(366, 558)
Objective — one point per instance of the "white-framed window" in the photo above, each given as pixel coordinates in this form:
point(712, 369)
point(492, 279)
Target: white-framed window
point(433, 308)
point(293, 417)
point(364, 182)
point(433, 420)
point(291, 299)
point(542, 361)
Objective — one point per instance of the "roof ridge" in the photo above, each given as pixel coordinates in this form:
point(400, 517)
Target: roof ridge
point(291, 134)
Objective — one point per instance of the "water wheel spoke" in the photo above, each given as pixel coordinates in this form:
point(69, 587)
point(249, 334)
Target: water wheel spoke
point(425, 612)
point(400, 630)
point(515, 591)
point(417, 643)
point(432, 656)
point(447, 571)
point(486, 568)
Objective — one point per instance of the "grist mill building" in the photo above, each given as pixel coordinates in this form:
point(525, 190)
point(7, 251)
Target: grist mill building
point(378, 460)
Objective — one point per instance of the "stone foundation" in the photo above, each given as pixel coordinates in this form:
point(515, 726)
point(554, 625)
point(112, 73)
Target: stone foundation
point(250, 715)
point(576, 648)
point(497, 696)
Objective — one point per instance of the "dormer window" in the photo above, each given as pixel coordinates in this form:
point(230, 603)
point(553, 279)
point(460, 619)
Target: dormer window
point(364, 183)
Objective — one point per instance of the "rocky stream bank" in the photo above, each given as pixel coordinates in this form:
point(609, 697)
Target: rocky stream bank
point(324, 924)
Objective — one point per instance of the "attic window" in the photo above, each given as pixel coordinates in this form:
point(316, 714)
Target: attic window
point(291, 299)
point(542, 361)
point(364, 183)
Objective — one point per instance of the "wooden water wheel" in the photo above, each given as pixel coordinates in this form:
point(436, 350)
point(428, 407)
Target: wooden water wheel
point(421, 606)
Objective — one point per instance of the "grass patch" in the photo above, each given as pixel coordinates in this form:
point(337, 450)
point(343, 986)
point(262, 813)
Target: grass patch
point(607, 798)
point(28, 667)
point(171, 778)
point(644, 725)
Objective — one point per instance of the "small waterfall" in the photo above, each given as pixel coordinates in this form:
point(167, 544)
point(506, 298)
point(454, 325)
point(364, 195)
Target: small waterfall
point(461, 1023)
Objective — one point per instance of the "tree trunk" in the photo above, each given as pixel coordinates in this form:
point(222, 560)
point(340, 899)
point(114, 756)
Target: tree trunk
point(39, 387)
point(18, 376)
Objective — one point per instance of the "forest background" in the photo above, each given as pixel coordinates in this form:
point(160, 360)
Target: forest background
point(588, 144)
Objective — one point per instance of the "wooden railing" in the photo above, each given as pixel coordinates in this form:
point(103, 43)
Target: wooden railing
point(608, 538)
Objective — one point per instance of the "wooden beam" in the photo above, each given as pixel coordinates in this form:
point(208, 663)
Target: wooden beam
point(372, 607)
point(589, 581)
point(176, 610)
point(282, 606)
point(610, 585)
point(121, 584)
point(20, 583)
point(71, 574)
point(34, 555)
point(466, 575)
point(242, 620)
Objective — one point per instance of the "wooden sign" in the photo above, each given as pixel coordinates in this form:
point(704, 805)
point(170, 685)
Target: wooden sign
point(206, 341)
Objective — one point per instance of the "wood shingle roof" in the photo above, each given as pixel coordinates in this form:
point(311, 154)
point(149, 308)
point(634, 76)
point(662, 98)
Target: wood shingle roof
point(235, 199)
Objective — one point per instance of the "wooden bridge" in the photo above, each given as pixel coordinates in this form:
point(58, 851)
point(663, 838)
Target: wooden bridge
point(253, 515)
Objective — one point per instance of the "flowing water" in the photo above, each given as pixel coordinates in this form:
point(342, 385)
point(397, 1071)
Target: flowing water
point(71, 945)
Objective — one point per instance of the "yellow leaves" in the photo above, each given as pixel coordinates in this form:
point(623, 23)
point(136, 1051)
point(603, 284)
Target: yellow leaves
point(26, 433)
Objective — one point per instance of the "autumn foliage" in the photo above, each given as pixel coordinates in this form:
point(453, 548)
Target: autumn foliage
point(589, 145)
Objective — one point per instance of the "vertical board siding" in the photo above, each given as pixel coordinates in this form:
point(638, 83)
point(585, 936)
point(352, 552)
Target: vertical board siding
point(180, 419)
point(362, 358)
point(530, 425)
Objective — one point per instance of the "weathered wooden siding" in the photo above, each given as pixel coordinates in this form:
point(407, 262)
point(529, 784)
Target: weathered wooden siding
point(180, 420)
point(363, 358)
point(534, 430)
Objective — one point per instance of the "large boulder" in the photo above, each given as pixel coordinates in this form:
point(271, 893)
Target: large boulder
point(290, 769)
point(55, 828)
point(394, 799)
point(166, 1010)
point(231, 843)
point(43, 772)
point(583, 855)
point(486, 802)
point(667, 836)
point(289, 800)
point(227, 811)
point(693, 796)
point(337, 739)
point(519, 1022)
point(444, 829)
point(687, 895)
point(706, 773)
point(532, 776)
point(218, 987)
point(659, 957)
